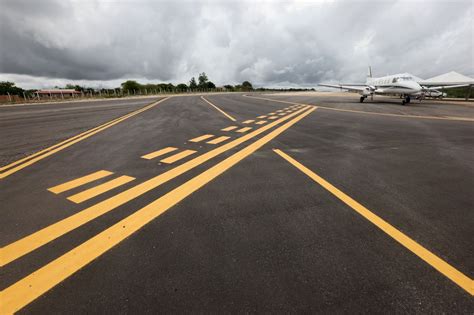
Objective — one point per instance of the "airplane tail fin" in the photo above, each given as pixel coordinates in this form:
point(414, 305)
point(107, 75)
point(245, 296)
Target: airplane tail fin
point(369, 72)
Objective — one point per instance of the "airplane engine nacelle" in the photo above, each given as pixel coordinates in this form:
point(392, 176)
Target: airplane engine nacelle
point(366, 92)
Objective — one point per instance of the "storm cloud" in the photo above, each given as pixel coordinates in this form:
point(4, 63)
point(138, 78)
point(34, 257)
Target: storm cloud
point(268, 43)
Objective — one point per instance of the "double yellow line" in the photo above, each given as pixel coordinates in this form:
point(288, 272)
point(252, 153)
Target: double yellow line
point(37, 283)
point(38, 156)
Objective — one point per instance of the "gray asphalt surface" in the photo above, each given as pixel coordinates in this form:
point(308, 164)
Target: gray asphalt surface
point(262, 236)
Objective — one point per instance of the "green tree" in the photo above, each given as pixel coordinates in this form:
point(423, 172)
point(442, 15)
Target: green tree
point(229, 87)
point(210, 85)
point(192, 83)
point(130, 86)
point(203, 79)
point(182, 87)
point(246, 85)
point(10, 88)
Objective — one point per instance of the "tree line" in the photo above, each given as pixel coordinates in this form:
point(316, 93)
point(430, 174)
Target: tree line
point(133, 87)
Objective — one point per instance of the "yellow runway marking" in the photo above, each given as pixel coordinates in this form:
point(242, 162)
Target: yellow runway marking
point(230, 128)
point(201, 138)
point(279, 111)
point(218, 140)
point(370, 113)
point(248, 121)
point(220, 110)
point(271, 113)
point(79, 182)
point(245, 129)
point(273, 117)
point(263, 116)
point(178, 156)
point(29, 160)
point(158, 153)
point(49, 233)
point(100, 189)
point(42, 280)
point(281, 114)
point(261, 122)
point(434, 261)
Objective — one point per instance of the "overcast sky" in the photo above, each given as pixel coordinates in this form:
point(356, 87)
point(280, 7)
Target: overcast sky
point(274, 43)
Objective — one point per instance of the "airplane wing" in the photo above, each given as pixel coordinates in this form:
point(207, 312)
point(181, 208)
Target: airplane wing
point(351, 87)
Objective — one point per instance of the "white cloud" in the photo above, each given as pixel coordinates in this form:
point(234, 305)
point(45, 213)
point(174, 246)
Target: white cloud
point(270, 43)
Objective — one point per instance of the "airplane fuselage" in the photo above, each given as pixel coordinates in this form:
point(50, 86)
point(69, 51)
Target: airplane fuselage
point(403, 84)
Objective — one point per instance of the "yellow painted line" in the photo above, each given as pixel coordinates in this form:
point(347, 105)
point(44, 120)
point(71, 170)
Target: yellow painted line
point(281, 114)
point(271, 113)
point(178, 156)
point(245, 129)
point(261, 122)
point(204, 137)
point(100, 189)
point(158, 153)
point(29, 160)
point(79, 181)
point(220, 110)
point(218, 140)
point(371, 113)
point(434, 261)
point(248, 121)
point(230, 128)
point(42, 280)
point(49, 233)
point(273, 117)
point(279, 111)
point(261, 117)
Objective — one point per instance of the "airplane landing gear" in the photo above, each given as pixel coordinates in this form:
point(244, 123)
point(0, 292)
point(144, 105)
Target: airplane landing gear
point(406, 100)
point(362, 99)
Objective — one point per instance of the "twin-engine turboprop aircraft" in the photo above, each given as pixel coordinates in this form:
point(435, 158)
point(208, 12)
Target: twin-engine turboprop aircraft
point(403, 84)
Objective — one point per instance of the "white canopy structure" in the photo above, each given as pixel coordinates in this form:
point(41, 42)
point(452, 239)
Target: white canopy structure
point(450, 78)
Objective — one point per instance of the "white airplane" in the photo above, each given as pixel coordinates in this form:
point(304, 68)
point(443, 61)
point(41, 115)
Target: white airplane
point(403, 84)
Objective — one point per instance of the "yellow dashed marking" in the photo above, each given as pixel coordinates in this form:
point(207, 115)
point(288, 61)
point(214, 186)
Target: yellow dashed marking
point(79, 182)
point(178, 156)
point(244, 129)
point(261, 122)
point(204, 137)
point(248, 121)
point(230, 128)
point(263, 116)
point(273, 117)
point(155, 154)
point(100, 189)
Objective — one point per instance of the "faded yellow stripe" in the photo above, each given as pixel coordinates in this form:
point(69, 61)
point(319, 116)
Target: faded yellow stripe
point(79, 181)
point(248, 121)
point(220, 110)
point(158, 153)
point(261, 122)
point(100, 189)
point(273, 117)
point(434, 261)
point(261, 117)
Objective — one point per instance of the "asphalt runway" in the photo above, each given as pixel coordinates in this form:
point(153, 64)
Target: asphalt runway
point(249, 203)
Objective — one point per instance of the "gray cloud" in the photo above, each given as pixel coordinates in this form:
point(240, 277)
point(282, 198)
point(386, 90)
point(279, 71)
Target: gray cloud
point(268, 43)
